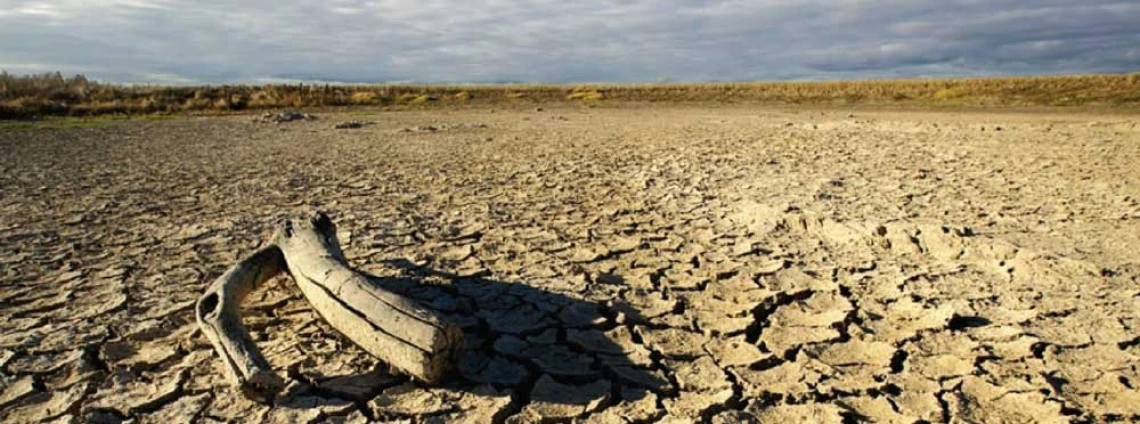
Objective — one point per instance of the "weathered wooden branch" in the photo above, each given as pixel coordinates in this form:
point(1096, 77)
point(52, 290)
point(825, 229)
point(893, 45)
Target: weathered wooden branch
point(408, 337)
point(385, 324)
point(220, 319)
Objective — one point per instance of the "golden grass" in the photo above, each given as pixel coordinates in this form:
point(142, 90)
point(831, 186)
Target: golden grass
point(52, 94)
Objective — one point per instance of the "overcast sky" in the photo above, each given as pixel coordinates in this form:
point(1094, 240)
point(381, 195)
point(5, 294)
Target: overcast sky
point(203, 41)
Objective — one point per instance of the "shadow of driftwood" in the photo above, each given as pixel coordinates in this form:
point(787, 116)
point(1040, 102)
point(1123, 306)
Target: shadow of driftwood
point(540, 345)
point(515, 332)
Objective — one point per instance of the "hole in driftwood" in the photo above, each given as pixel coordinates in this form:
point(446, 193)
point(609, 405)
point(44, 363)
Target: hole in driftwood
point(208, 304)
point(322, 222)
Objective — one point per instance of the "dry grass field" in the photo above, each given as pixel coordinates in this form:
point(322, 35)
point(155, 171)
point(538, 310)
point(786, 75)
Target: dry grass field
point(23, 97)
point(644, 263)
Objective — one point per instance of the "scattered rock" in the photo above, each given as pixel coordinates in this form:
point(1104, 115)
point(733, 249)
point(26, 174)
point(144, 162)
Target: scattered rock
point(286, 116)
point(350, 125)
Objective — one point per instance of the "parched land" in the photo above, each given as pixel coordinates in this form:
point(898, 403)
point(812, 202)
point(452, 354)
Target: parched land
point(628, 264)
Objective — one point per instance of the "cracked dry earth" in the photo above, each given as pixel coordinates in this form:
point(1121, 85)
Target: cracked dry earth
point(669, 264)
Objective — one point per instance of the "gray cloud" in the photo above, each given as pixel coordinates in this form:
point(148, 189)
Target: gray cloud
point(186, 41)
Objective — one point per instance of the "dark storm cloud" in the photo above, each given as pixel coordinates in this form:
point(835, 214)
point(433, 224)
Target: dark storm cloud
point(185, 41)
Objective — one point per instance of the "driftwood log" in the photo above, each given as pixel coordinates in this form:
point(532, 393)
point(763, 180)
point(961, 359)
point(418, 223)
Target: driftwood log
point(395, 329)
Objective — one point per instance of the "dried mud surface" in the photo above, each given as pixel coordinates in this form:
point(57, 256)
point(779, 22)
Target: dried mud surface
point(673, 264)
